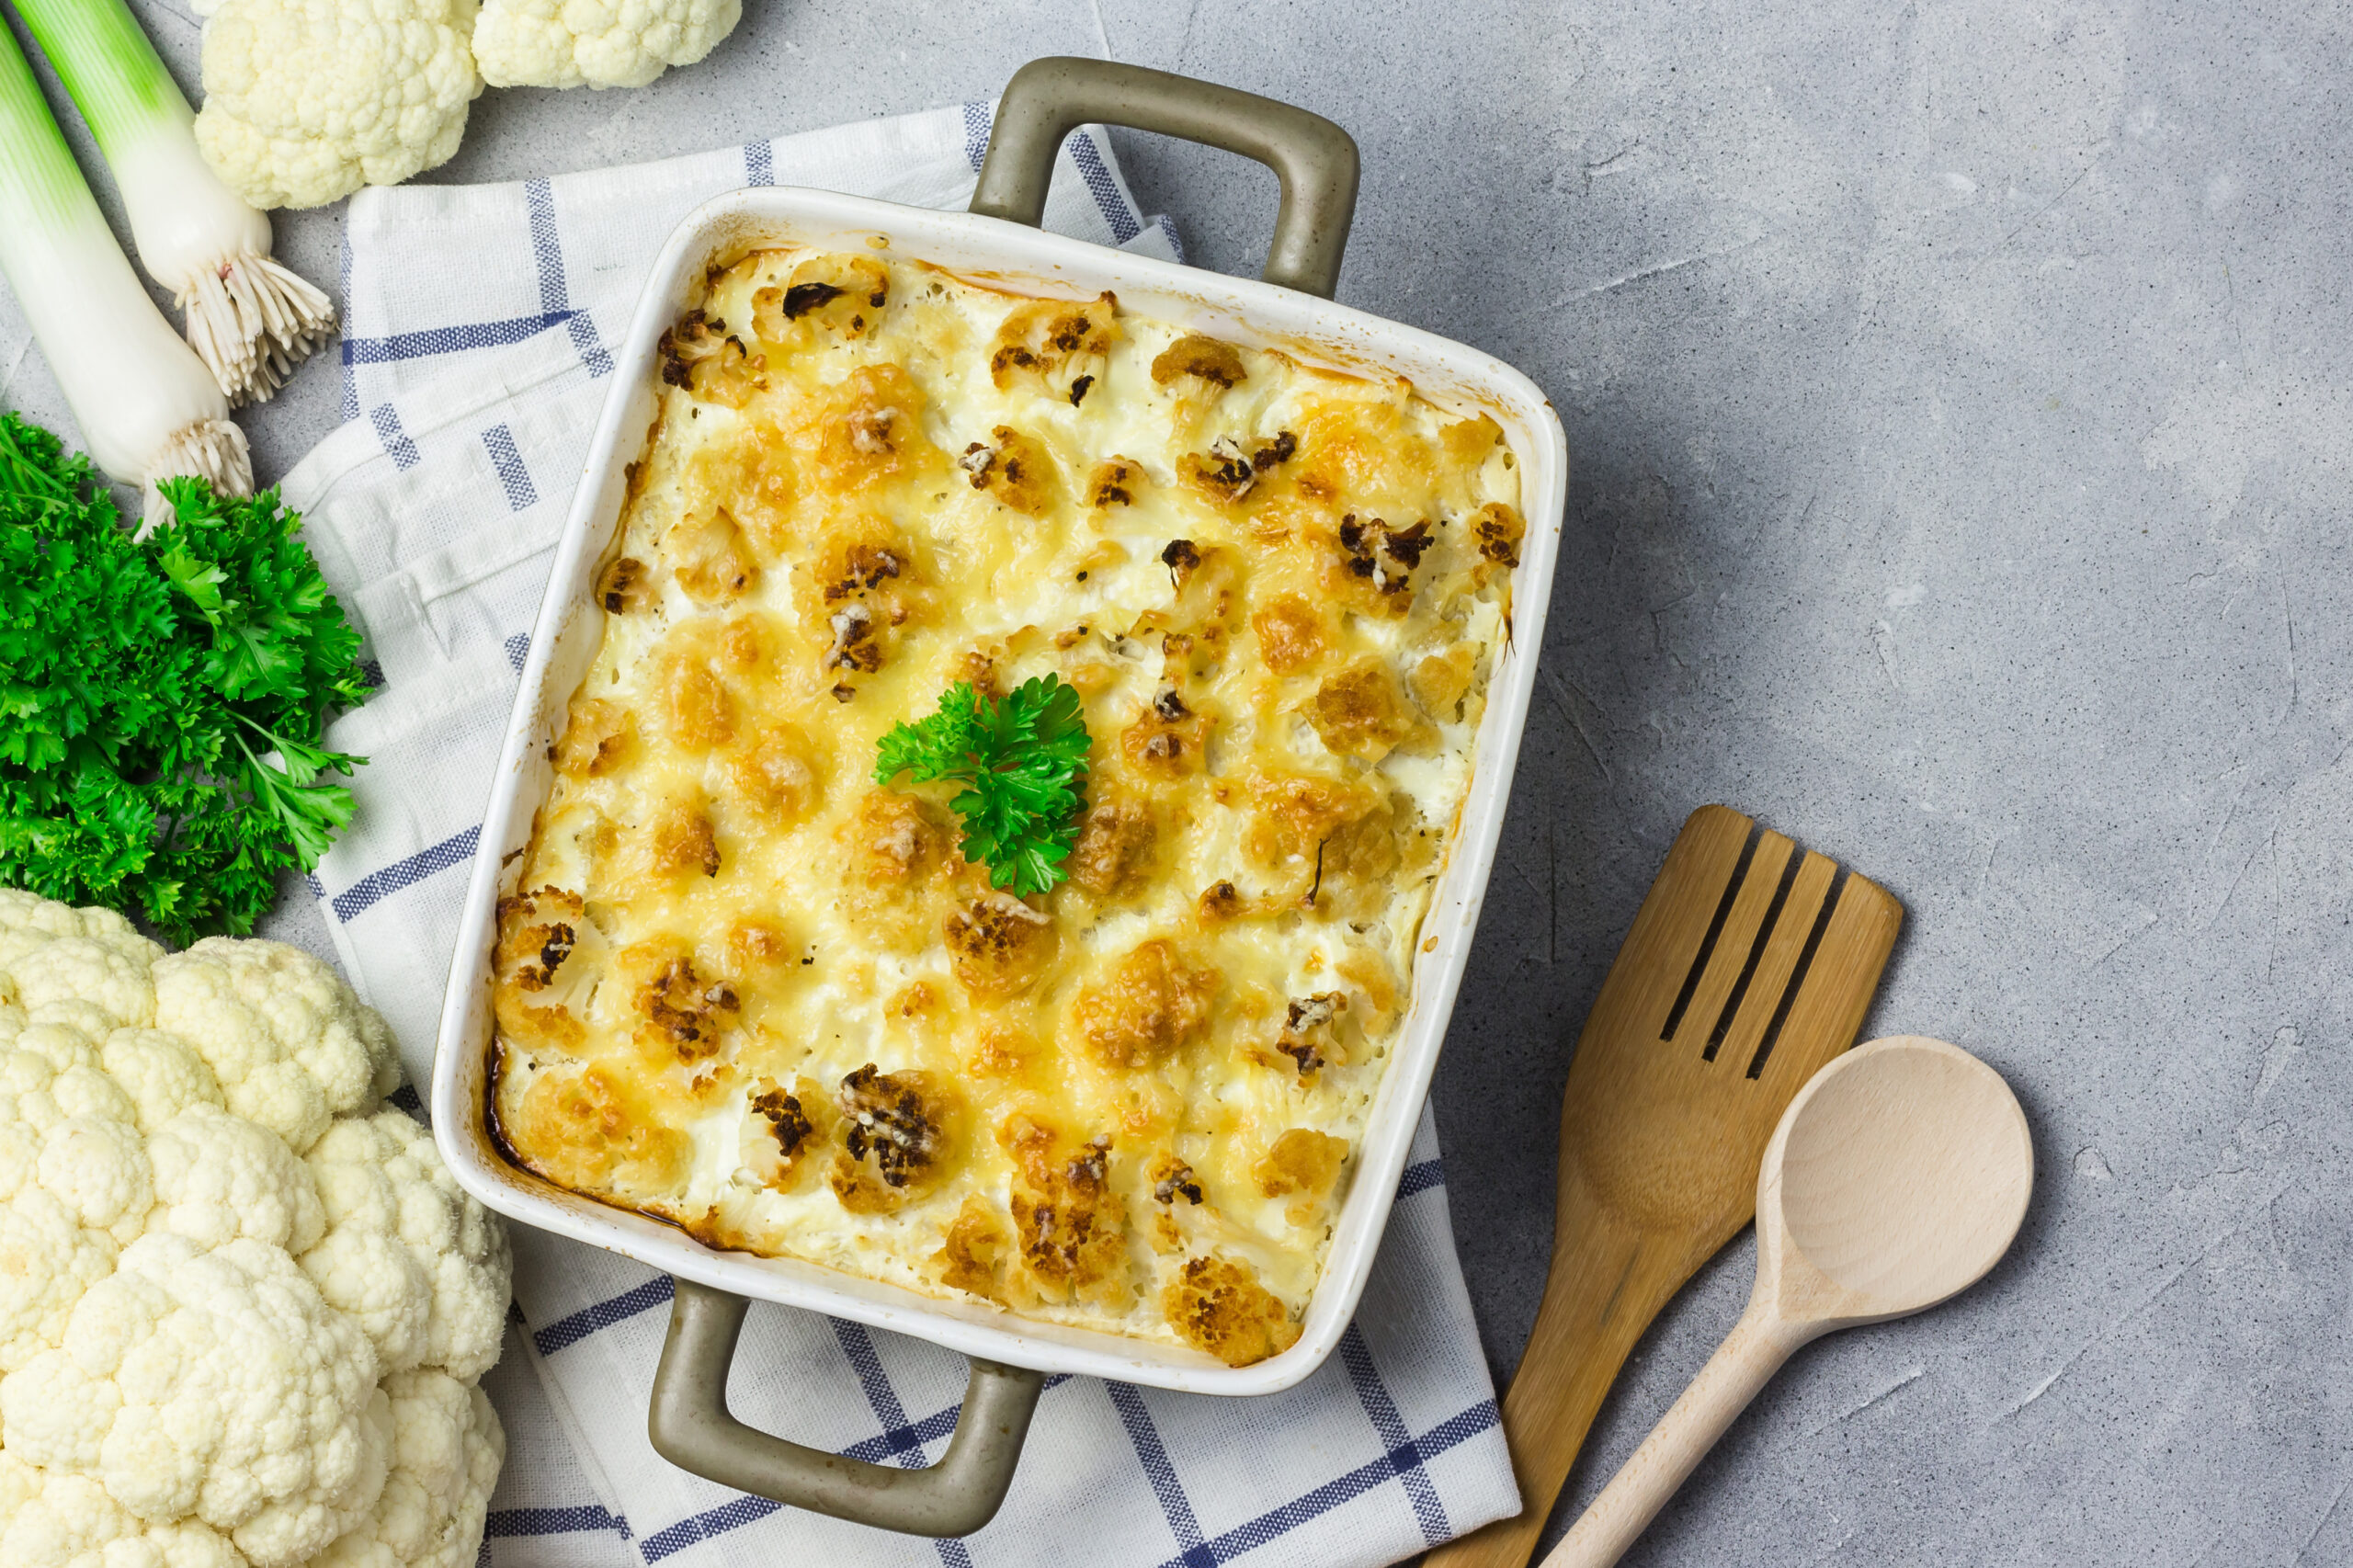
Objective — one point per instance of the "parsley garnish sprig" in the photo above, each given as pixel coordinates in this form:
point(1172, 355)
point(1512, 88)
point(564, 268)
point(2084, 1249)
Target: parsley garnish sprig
point(162, 700)
point(1022, 758)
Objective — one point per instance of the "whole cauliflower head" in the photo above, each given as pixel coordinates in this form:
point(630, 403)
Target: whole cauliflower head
point(243, 1303)
point(598, 43)
point(307, 100)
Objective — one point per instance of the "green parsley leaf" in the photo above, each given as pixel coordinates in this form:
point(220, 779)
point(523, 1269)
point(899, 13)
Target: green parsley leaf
point(1022, 758)
point(162, 700)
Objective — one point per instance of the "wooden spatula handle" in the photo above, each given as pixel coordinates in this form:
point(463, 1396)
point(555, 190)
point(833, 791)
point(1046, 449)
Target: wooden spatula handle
point(1607, 1282)
point(1742, 1365)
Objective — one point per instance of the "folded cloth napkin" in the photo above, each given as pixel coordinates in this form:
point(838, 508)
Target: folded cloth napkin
point(475, 359)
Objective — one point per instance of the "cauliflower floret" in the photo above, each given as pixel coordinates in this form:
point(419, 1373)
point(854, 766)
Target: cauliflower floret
point(68, 1522)
point(162, 1076)
point(75, 1183)
point(29, 921)
point(214, 1383)
point(49, 1260)
point(307, 100)
point(407, 1254)
point(599, 43)
point(219, 1176)
point(109, 973)
point(98, 1167)
point(287, 1040)
point(447, 1448)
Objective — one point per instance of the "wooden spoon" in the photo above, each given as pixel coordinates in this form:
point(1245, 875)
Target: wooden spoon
point(1896, 1180)
point(1750, 964)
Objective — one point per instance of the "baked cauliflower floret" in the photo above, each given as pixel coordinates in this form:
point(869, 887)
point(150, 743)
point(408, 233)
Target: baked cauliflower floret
point(1072, 1227)
point(1218, 1305)
point(596, 43)
point(998, 945)
point(780, 1128)
point(593, 1128)
point(899, 1136)
point(1058, 343)
point(307, 100)
point(1153, 1002)
point(842, 295)
point(1359, 712)
point(1114, 852)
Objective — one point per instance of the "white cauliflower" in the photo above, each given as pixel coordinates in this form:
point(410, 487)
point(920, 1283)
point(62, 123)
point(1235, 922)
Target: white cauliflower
point(243, 1304)
point(419, 1264)
point(447, 1447)
point(68, 1522)
point(596, 43)
point(307, 100)
point(286, 1036)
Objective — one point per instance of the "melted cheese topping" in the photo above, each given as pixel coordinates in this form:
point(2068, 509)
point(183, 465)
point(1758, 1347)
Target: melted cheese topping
point(751, 990)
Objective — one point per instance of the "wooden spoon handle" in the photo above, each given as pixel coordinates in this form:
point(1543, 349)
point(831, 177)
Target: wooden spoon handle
point(1607, 1282)
point(1742, 1365)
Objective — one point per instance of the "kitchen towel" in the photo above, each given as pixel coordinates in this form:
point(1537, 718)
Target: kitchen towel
point(475, 360)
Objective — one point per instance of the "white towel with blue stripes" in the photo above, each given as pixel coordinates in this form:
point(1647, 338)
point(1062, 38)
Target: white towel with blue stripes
point(474, 361)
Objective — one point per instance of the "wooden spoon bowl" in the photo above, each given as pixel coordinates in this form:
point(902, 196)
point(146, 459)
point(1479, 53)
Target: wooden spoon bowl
point(1897, 1179)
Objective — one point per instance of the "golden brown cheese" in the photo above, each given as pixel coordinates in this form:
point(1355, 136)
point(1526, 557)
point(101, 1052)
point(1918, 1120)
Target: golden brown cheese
point(744, 987)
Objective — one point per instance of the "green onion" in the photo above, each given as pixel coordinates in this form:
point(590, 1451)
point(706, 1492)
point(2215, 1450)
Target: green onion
point(249, 319)
point(148, 408)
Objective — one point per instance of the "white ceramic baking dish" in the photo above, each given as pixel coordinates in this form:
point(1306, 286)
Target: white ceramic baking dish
point(1043, 103)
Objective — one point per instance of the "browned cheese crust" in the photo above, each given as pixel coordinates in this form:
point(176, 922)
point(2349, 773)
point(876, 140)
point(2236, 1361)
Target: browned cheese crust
point(744, 985)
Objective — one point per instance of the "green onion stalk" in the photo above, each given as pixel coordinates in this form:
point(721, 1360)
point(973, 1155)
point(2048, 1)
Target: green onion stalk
point(148, 407)
point(249, 319)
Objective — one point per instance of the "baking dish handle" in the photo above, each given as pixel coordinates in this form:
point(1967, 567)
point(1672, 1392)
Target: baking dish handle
point(691, 1428)
point(1315, 160)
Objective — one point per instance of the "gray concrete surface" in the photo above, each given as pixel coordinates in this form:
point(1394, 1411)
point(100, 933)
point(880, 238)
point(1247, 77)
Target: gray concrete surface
point(1963, 427)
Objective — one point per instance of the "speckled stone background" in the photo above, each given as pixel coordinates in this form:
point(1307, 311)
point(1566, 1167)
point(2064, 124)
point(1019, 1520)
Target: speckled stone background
point(1962, 411)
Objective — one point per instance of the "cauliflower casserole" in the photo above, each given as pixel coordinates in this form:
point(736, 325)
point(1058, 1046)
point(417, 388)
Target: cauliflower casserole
point(742, 987)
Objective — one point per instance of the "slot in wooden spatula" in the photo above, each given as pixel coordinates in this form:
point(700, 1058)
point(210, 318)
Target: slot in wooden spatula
point(1751, 963)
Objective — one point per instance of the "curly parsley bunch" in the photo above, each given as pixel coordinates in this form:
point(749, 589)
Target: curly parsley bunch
point(162, 699)
point(1022, 758)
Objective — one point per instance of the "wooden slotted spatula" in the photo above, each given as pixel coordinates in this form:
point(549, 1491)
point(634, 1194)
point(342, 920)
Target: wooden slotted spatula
point(1750, 965)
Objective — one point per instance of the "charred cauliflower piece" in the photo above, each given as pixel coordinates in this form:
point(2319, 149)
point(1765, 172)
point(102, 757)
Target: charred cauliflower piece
point(1014, 468)
point(897, 1134)
point(999, 946)
point(1203, 360)
point(843, 295)
point(1218, 1305)
point(777, 1133)
point(683, 1013)
point(1057, 344)
point(1498, 529)
point(710, 364)
point(1073, 1229)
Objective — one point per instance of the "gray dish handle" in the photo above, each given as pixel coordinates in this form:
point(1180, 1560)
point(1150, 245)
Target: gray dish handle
point(692, 1428)
point(1315, 160)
